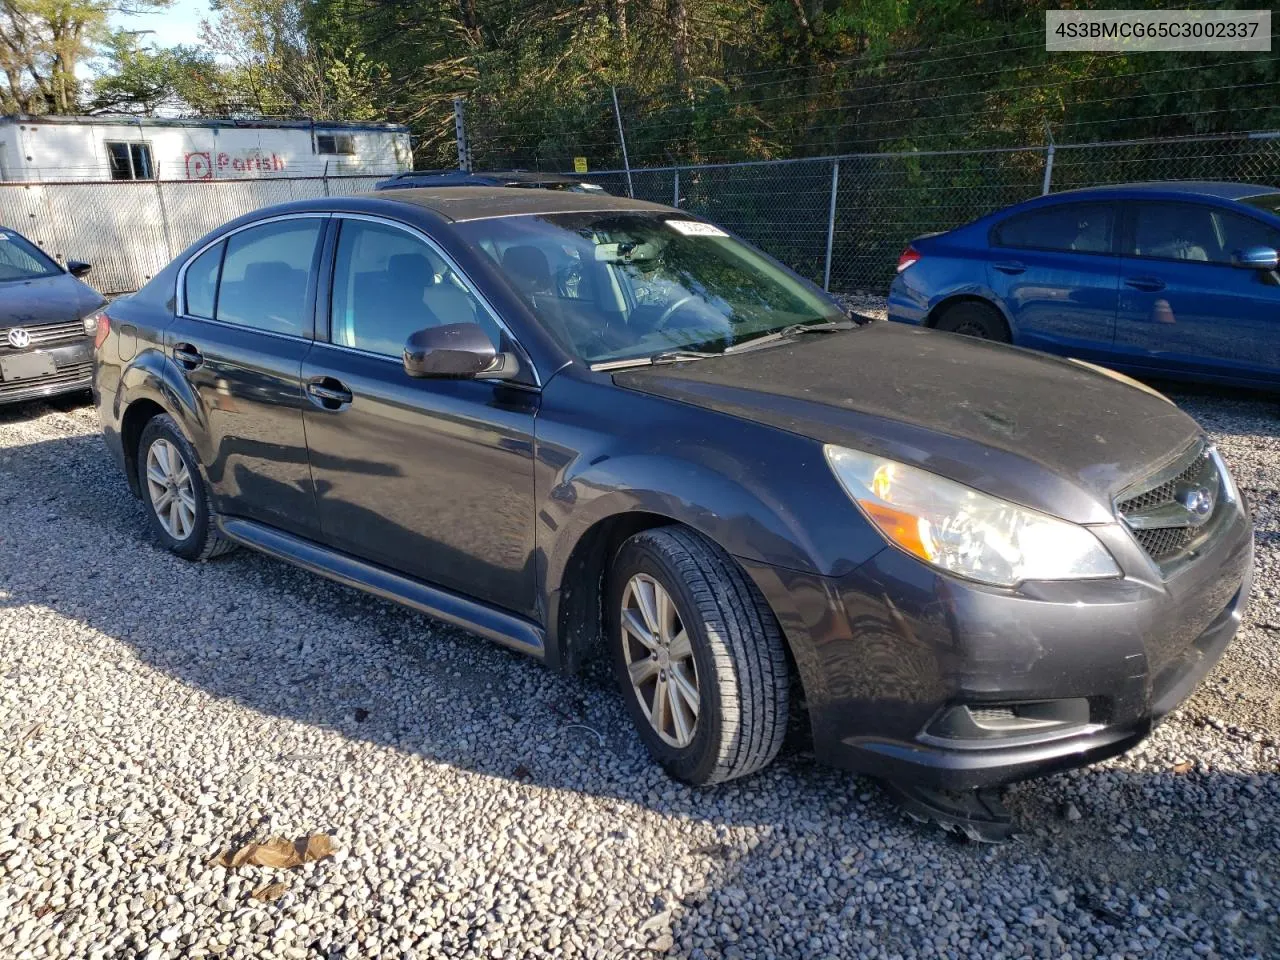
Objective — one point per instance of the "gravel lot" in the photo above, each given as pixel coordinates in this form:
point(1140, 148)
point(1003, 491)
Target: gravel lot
point(154, 713)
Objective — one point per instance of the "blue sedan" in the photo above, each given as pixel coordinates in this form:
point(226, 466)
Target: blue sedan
point(1163, 279)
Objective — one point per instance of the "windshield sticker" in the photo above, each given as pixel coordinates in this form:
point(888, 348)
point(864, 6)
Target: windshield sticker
point(695, 228)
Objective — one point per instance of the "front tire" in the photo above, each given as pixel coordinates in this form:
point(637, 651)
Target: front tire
point(698, 656)
point(175, 493)
point(972, 319)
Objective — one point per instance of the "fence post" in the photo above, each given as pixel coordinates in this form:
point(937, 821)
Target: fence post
point(622, 139)
point(675, 200)
point(1048, 171)
point(325, 178)
point(831, 224)
point(460, 130)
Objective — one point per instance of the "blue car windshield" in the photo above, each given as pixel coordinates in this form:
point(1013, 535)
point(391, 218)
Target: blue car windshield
point(1270, 202)
point(20, 259)
point(618, 285)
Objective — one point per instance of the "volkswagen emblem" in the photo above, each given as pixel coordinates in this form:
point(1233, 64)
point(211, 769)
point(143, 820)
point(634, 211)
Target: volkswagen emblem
point(1197, 501)
point(19, 339)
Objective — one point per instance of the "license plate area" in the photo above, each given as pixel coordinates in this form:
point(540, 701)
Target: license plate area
point(27, 366)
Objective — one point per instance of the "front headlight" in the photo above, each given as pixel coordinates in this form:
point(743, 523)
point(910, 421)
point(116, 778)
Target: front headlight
point(965, 532)
point(90, 321)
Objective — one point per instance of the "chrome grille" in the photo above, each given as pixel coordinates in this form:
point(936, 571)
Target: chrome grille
point(76, 374)
point(45, 335)
point(1158, 511)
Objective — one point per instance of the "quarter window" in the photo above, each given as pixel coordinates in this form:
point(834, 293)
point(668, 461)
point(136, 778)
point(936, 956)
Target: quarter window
point(388, 284)
point(202, 282)
point(1071, 228)
point(1188, 231)
point(130, 161)
point(265, 273)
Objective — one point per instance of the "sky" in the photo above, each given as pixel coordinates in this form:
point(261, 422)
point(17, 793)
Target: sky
point(178, 24)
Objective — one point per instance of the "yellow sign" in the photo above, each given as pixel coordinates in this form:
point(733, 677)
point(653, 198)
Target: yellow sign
point(579, 164)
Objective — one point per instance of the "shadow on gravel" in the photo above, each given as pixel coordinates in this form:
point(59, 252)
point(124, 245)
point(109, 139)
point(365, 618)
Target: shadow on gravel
point(285, 643)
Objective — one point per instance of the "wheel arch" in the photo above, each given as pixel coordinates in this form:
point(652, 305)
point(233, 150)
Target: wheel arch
point(954, 299)
point(151, 386)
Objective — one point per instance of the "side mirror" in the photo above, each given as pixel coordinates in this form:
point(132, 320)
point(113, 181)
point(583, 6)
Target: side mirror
point(1256, 258)
point(456, 351)
point(78, 268)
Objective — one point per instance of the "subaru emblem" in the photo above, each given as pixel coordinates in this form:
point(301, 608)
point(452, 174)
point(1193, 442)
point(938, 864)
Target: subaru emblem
point(1197, 501)
point(19, 339)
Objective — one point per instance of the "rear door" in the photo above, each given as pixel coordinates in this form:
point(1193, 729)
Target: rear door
point(1056, 272)
point(1183, 307)
point(432, 478)
point(244, 324)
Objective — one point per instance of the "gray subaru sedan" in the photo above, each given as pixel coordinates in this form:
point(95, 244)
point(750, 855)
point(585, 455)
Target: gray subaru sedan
point(584, 425)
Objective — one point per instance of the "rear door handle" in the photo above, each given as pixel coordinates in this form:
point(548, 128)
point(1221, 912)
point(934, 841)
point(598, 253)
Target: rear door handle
point(1010, 266)
point(187, 355)
point(328, 393)
point(1144, 283)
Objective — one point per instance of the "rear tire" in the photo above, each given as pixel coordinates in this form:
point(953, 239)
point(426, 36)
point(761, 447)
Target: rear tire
point(175, 493)
point(723, 641)
point(972, 319)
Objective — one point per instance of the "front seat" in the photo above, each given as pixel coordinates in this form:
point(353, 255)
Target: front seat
point(528, 268)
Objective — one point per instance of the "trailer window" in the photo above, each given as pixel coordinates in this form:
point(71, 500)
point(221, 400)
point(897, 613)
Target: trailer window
point(130, 161)
point(342, 144)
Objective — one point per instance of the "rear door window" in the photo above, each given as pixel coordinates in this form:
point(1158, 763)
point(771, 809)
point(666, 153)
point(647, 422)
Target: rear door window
point(266, 274)
point(1068, 227)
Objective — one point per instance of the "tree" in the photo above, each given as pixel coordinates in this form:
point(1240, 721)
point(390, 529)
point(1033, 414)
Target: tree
point(133, 79)
point(43, 41)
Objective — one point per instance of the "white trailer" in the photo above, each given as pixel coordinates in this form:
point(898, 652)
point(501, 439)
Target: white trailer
point(43, 149)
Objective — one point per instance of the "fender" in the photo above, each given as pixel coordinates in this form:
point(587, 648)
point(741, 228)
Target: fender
point(152, 375)
point(746, 522)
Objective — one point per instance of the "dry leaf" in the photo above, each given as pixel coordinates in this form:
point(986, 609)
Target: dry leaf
point(271, 891)
point(279, 852)
point(317, 847)
point(1183, 767)
point(522, 772)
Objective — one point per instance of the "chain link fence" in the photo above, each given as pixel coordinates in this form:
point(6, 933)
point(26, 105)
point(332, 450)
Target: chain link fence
point(129, 230)
point(843, 221)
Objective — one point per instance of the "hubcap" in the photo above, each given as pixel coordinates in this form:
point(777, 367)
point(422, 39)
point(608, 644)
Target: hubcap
point(172, 494)
point(659, 658)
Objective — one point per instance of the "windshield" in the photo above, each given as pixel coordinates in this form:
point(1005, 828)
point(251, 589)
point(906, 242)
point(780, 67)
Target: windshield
point(622, 285)
point(20, 259)
point(1269, 202)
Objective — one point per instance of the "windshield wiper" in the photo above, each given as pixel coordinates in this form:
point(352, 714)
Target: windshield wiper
point(794, 330)
point(667, 356)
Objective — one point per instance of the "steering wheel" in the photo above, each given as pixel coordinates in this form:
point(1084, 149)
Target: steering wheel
point(668, 313)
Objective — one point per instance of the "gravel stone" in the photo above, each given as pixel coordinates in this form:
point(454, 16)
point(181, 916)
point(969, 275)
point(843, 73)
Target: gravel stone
point(155, 712)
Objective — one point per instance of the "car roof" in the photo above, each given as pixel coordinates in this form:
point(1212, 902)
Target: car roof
point(1219, 190)
point(494, 177)
point(479, 203)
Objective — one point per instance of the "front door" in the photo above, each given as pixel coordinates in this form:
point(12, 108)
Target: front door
point(431, 478)
point(243, 327)
point(1183, 307)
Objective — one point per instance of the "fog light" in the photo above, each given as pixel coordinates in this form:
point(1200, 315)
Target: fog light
point(987, 721)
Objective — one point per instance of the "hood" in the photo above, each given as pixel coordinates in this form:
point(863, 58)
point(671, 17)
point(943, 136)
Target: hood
point(1030, 428)
point(57, 299)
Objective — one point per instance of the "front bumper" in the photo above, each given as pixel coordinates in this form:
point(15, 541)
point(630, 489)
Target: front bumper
point(884, 652)
point(73, 371)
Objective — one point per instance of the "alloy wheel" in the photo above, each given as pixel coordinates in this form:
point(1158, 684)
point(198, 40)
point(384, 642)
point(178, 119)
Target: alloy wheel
point(171, 490)
point(659, 659)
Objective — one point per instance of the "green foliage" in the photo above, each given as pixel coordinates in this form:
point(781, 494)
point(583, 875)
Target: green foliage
point(43, 41)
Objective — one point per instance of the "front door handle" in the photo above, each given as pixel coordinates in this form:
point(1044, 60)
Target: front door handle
point(328, 393)
point(1010, 266)
point(187, 355)
point(1144, 283)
